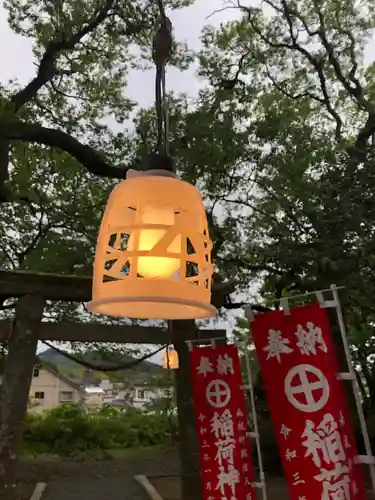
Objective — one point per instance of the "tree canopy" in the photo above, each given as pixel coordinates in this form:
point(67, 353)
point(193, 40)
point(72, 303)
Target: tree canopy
point(279, 141)
point(297, 75)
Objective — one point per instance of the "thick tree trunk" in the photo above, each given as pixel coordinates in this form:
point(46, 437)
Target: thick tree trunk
point(191, 485)
point(17, 376)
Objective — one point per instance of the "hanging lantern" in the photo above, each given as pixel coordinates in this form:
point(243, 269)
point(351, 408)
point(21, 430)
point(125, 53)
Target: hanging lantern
point(153, 254)
point(170, 359)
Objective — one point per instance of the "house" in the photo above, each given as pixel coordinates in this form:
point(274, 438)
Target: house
point(144, 393)
point(131, 394)
point(108, 394)
point(50, 389)
point(94, 398)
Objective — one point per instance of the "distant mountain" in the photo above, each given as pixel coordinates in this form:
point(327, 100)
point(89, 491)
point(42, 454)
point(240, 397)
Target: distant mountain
point(76, 372)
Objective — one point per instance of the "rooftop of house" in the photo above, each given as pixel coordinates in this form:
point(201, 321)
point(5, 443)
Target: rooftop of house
point(41, 365)
point(94, 390)
point(162, 384)
point(151, 381)
point(129, 385)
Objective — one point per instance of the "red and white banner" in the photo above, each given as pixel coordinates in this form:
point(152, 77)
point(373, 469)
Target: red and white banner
point(226, 462)
point(307, 403)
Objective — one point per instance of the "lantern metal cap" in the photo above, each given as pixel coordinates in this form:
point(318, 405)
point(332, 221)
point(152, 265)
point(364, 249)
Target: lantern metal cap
point(158, 165)
point(131, 174)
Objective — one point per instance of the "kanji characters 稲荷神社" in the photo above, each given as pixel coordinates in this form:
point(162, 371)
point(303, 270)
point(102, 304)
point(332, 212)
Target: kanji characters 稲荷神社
point(222, 424)
point(323, 443)
point(228, 455)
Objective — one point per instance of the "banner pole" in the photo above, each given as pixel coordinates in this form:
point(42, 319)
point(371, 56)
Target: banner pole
point(355, 388)
point(253, 410)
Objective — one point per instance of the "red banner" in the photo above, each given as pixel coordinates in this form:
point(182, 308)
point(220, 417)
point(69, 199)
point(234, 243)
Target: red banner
point(307, 403)
point(226, 463)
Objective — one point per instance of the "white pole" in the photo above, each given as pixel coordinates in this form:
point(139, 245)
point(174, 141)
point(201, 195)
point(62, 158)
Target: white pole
point(255, 420)
point(355, 387)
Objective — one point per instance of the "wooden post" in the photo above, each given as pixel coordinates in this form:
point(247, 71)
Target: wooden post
point(191, 485)
point(18, 371)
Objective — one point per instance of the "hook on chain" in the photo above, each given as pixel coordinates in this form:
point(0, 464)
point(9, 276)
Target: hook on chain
point(161, 8)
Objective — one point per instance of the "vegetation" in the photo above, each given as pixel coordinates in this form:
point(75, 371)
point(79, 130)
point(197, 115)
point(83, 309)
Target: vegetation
point(294, 76)
point(67, 431)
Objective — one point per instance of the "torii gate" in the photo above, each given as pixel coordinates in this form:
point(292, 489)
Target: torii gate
point(23, 333)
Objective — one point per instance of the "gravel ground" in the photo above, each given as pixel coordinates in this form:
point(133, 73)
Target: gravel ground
point(114, 488)
point(94, 480)
point(113, 479)
point(169, 489)
point(155, 460)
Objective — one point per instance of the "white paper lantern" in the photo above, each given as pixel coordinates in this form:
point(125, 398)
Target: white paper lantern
point(153, 254)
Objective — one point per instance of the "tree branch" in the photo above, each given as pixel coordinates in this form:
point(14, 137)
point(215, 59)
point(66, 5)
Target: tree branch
point(256, 268)
point(316, 63)
point(54, 48)
point(355, 92)
point(230, 83)
point(87, 156)
point(41, 232)
point(350, 82)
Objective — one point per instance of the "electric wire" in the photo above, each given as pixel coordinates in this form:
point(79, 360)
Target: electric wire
point(110, 367)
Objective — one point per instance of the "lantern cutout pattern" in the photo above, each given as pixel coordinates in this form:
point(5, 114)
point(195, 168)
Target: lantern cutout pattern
point(153, 254)
point(171, 356)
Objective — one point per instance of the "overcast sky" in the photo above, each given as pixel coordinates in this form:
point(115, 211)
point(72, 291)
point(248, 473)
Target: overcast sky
point(17, 61)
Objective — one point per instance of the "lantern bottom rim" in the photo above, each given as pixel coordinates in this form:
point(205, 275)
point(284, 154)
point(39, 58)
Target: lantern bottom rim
point(152, 308)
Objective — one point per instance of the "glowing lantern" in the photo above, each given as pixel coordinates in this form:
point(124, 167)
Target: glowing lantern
point(153, 251)
point(170, 359)
point(149, 266)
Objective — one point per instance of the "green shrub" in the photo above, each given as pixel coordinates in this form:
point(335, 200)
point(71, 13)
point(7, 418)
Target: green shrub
point(66, 430)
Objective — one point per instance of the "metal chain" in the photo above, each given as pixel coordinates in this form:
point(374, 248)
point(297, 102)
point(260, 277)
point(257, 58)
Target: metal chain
point(161, 52)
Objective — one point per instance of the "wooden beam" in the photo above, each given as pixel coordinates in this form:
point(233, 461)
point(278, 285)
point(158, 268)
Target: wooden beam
point(50, 286)
point(71, 288)
point(93, 332)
